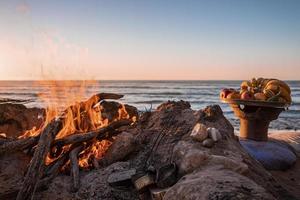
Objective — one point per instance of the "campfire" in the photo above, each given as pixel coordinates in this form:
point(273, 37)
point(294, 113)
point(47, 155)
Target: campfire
point(102, 149)
point(76, 138)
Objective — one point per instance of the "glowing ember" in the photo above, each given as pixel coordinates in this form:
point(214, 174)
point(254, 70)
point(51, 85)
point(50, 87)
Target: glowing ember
point(97, 151)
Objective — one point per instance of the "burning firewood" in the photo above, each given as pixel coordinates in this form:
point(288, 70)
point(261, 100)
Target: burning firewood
point(35, 168)
point(57, 140)
point(101, 134)
point(95, 162)
point(52, 171)
point(75, 167)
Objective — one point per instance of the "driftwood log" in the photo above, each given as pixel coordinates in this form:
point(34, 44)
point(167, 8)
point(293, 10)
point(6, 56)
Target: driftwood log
point(75, 167)
point(52, 171)
point(35, 168)
point(18, 144)
point(101, 134)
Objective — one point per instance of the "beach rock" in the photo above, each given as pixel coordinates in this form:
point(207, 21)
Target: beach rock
point(188, 157)
point(208, 143)
point(192, 161)
point(94, 185)
point(214, 134)
point(212, 116)
point(110, 110)
point(17, 118)
point(216, 184)
point(171, 105)
point(227, 163)
point(12, 169)
point(123, 145)
point(199, 132)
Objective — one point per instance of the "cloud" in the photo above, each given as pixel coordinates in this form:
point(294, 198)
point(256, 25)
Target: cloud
point(23, 8)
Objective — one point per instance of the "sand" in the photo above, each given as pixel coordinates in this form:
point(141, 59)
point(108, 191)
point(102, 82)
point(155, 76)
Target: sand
point(290, 178)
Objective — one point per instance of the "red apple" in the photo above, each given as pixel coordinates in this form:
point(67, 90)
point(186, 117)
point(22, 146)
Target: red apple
point(246, 95)
point(225, 92)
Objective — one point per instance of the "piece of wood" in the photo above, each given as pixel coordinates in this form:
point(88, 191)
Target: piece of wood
point(10, 146)
point(95, 163)
point(51, 171)
point(100, 134)
point(75, 167)
point(34, 171)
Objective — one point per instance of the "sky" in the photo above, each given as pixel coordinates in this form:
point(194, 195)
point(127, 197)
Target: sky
point(149, 40)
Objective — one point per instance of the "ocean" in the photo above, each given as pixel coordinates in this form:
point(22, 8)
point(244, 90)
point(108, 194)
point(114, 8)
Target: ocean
point(147, 95)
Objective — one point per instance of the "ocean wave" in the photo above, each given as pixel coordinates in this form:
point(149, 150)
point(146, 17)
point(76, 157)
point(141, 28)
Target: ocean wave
point(148, 102)
point(18, 94)
point(153, 93)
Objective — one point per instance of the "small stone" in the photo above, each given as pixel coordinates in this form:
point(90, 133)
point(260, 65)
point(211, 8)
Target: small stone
point(214, 134)
point(208, 143)
point(199, 132)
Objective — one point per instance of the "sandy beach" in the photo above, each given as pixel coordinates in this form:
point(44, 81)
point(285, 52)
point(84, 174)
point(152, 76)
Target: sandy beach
point(291, 177)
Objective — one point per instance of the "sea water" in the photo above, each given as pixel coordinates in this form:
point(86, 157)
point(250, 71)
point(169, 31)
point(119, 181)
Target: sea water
point(146, 95)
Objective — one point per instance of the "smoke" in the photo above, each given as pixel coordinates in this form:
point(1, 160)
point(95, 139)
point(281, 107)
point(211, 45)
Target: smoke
point(23, 8)
point(41, 52)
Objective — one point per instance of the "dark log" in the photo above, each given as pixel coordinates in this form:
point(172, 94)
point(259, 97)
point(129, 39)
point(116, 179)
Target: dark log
point(101, 96)
point(102, 133)
point(95, 163)
point(10, 146)
point(75, 167)
point(82, 120)
point(92, 101)
point(4, 139)
point(35, 168)
point(51, 171)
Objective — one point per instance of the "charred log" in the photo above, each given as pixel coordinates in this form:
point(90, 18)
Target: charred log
point(75, 167)
point(102, 133)
point(35, 168)
point(10, 146)
point(52, 171)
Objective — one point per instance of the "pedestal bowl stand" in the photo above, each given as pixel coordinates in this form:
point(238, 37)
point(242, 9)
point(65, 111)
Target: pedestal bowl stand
point(255, 117)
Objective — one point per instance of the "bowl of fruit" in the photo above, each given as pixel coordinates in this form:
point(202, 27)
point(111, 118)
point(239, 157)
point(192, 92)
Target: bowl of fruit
point(259, 92)
point(256, 104)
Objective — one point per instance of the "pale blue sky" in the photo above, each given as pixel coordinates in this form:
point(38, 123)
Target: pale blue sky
point(165, 39)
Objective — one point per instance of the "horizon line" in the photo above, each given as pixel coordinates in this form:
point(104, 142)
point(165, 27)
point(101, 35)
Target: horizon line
point(135, 79)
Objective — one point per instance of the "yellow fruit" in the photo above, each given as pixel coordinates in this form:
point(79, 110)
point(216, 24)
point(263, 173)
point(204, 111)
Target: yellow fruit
point(253, 82)
point(243, 90)
point(285, 94)
point(260, 96)
point(268, 93)
point(273, 87)
point(264, 82)
point(245, 85)
point(282, 100)
point(279, 83)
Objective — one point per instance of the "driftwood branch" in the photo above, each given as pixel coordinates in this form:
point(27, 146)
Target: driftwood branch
point(75, 167)
point(17, 145)
point(35, 168)
point(52, 171)
point(102, 133)
point(95, 162)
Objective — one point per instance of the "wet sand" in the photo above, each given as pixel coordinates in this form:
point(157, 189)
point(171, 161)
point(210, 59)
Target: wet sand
point(290, 178)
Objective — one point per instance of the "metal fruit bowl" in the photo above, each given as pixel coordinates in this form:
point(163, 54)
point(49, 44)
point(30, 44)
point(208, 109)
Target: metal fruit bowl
point(257, 103)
